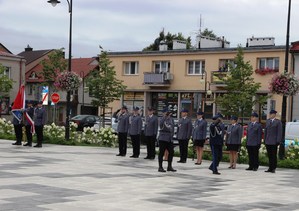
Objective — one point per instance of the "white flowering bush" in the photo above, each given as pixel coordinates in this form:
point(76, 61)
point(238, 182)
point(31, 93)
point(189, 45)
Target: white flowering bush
point(89, 136)
point(53, 131)
point(107, 137)
point(6, 127)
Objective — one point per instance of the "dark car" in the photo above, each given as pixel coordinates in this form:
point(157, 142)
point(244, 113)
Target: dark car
point(85, 121)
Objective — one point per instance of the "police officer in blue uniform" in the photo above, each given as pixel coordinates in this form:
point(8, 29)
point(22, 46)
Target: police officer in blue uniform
point(273, 136)
point(199, 135)
point(39, 122)
point(135, 126)
point(234, 135)
point(18, 130)
point(183, 134)
point(30, 111)
point(122, 130)
point(216, 143)
point(150, 132)
point(253, 142)
point(165, 140)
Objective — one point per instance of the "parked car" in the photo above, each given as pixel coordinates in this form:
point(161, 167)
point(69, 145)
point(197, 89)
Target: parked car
point(85, 121)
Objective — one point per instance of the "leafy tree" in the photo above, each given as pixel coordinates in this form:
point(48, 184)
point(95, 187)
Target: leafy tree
point(208, 33)
point(241, 89)
point(103, 85)
point(168, 39)
point(5, 81)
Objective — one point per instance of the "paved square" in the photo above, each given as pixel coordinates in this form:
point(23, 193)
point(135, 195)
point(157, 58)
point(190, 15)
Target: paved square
point(88, 178)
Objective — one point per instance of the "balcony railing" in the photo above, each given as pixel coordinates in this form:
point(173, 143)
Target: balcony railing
point(218, 78)
point(157, 79)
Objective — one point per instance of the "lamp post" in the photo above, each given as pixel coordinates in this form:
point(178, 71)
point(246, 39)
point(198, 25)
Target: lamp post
point(284, 99)
point(205, 91)
point(68, 96)
point(82, 76)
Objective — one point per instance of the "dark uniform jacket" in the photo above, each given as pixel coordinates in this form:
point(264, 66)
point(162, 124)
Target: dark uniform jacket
point(216, 134)
point(166, 129)
point(273, 132)
point(184, 129)
point(151, 126)
point(123, 123)
point(135, 125)
point(39, 116)
point(199, 130)
point(234, 134)
point(254, 134)
point(30, 112)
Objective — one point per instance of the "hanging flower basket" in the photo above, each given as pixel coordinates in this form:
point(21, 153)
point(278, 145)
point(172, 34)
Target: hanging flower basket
point(68, 81)
point(284, 84)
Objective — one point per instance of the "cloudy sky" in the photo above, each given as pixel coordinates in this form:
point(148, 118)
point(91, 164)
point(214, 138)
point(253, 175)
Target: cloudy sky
point(131, 25)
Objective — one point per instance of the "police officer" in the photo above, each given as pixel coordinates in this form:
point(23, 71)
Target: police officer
point(216, 143)
point(122, 130)
point(183, 134)
point(18, 130)
point(30, 111)
point(150, 132)
point(273, 135)
point(39, 122)
point(234, 135)
point(253, 141)
point(165, 140)
point(199, 135)
point(135, 126)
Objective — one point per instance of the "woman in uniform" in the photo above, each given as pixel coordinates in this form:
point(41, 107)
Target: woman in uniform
point(199, 135)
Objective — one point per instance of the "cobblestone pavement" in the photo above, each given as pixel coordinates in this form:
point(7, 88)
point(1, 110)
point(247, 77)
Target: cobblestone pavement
point(88, 178)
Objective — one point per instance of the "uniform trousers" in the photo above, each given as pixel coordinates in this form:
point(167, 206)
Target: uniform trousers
point(216, 157)
point(151, 146)
point(136, 145)
point(122, 143)
point(19, 133)
point(163, 145)
point(183, 144)
point(39, 130)
point(253, 155)
point(28, 134)
point(272, 155)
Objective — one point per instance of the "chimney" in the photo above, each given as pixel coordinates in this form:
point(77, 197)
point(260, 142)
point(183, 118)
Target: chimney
point(28, 48)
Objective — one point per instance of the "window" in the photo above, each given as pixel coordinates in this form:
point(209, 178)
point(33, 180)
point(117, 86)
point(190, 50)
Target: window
point(269, 63)
point(196, 67)
point(7, 72)
point(224, 64)
point(131, 68)
point(29, 89)
point(161, 66)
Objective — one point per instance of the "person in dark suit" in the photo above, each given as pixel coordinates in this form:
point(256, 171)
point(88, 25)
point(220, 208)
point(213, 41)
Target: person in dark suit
point(165, 140)
point(122, 130)
point(30, 111)
point(150, 132)
point(183, 134)
point(199, 135)
point(234, 135)
point(135, 126)
point(216, 143)
point(18, 125)
point(273, 136)
point(253, 142)
point(39, 122)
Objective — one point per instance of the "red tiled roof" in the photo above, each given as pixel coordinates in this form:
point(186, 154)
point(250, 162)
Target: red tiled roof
point(295, 47)
point(2, 53)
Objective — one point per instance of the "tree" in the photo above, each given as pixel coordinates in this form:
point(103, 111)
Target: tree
point(5, 81)
point(208, 33)
point(103, 85)
point(241, 89)
point(167, 39)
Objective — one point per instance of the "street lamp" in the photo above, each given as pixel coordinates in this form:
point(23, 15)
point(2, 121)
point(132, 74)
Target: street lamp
point(284, 99)
point(68, 96)
point(82, 76)
point(209, 92)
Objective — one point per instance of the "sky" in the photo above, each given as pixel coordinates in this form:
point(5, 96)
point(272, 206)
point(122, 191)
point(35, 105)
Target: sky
point(131, 25)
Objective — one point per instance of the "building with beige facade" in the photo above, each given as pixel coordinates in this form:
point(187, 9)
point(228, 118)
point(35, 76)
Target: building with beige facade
point(193, 78)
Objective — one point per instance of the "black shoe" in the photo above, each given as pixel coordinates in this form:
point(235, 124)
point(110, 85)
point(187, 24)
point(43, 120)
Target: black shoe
point(269, 170)
point(27, 145)
point(132, 156)
point(273, 171)
point(249, 169)
point(152, 158)
point(161, 170)
point(146, 158)
point(38, 146)
point(211, 168)
point(171, 169)
point(17, 143)
point(181, 161)
point(255, 169)
point(197, 163)
point(216, 172)
point(119, 155)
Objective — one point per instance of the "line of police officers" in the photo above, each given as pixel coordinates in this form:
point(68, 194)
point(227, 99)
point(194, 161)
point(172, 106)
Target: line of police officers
point(38, 115)
point(131, 124)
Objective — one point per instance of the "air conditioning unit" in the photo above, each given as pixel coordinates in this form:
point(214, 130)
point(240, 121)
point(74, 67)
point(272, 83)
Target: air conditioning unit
point(168, 76)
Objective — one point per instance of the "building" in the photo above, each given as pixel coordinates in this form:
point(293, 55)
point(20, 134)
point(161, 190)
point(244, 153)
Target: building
point(295, 65)
point(15, 69)
point(193, 79)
